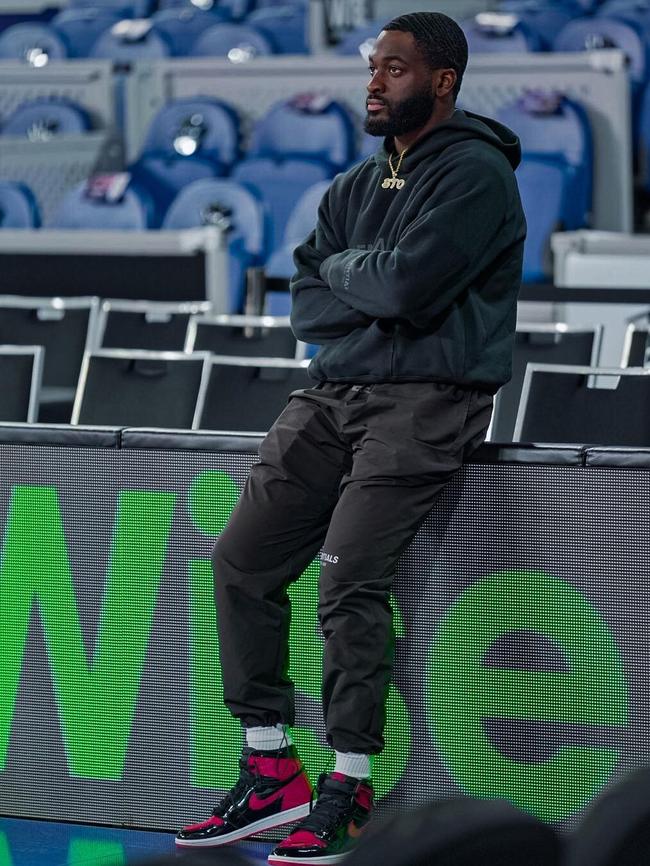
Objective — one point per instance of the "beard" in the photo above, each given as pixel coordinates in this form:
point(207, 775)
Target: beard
point(406, 116)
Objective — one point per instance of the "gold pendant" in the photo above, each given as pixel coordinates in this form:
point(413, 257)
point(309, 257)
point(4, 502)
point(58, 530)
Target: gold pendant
point(393, 183)
point(399, 183)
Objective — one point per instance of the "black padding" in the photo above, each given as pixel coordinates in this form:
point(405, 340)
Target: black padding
point(554, 455)
point(47, 434)
point(460, 832)
point(126, 329)
point(170, 440)
point(221, 339)
point(616, 829)
point(638, 348)
point(626, 458)
point(15, 386)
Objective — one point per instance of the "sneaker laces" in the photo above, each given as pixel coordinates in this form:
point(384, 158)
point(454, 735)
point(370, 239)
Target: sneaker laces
point(330, 808)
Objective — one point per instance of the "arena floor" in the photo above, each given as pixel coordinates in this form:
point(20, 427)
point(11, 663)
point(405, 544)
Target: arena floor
point(50, 843)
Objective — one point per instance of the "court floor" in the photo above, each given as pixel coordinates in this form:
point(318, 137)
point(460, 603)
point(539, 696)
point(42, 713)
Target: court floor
point(50, 843)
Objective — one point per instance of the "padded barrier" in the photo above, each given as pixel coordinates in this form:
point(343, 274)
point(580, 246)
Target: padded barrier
point(520, 616)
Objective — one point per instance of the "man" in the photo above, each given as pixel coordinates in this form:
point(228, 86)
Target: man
point(409, 284)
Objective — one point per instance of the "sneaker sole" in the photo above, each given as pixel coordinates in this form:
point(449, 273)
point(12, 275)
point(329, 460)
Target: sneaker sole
point(286, 817)
point(325, 860)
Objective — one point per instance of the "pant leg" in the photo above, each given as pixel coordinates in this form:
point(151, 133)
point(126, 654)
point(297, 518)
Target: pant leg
point(274, 533)
point(411, 440)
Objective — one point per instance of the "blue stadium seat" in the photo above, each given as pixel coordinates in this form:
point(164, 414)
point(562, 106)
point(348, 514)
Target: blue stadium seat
point(237, 9)
point(122, 44)
point(280, 184)
point(499, 33)
point(301, 222)
point(583, 34)
point(308, 126)
point(44, 118)
point(188, 140)
point(80, 27)
point(360, 40)
point(644, 139)
point(542, 18)
point(636, 12)
point(18, 207)
point(368, 146)
point(230, 205)
point(549, 124)
point(78, 211)
point(544, 185)
point(284, 26)
point(125, 8)
point(36, 44)
point(237, 42)
point(182, 25)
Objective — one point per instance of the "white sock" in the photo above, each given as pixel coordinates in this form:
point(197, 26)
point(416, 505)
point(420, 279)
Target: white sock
point(268, 739)
point(353, 764)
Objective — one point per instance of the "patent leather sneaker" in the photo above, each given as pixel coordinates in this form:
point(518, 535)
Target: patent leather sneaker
point(332, 829)
point(273, 789)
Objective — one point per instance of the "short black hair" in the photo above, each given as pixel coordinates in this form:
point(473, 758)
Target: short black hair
point(439, 38)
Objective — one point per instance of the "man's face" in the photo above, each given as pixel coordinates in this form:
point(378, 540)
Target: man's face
point(400, 91)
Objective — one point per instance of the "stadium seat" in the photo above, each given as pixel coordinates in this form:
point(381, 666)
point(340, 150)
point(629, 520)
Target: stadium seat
point(78, 210)
point(368, 146)
point(543, 19)
point(544, 186)
point(125, 8)
point(499, 33)
point(81, 27)
point(636, 350)
point(18, 207)
point(182, 25)
point(635, 12)
point(42, 119)
point(556, 343)
point(549, 124)
point(559, 405)
point(237, 42)
point(141, 389)
point(247, 395)
point(229, 205)
point(301, 222)
point(360, 40)
point(36, 44)
point(242, 336)
point(584, 34)
point(129, 41)
point(237, 9)
point(284, 26)
point(21, 370)
point(152, 325)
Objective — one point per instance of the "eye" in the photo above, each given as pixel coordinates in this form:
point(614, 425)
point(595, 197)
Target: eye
point(371, 70)
point(395, 70)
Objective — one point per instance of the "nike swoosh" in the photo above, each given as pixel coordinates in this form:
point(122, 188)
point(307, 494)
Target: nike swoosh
point(353, 831)
point(256, 802)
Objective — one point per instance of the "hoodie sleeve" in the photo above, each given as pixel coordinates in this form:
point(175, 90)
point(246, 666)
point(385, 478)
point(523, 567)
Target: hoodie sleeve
point(439, 254)
point(317, 315)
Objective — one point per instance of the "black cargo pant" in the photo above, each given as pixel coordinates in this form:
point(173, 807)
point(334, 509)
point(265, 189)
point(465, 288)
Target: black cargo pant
point(352, 470)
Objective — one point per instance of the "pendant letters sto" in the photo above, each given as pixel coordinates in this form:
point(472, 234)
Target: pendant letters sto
point(393, 183)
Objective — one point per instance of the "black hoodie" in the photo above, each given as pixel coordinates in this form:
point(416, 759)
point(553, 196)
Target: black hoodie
point(420, 283)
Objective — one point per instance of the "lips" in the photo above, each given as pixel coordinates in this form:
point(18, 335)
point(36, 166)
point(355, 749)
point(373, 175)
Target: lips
point(375, 105)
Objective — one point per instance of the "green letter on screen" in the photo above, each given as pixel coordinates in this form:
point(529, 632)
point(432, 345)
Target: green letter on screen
point(96, 698)
point(463, 692)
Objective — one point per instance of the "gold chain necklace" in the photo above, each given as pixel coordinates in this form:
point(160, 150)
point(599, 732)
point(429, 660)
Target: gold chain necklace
point(394, 182)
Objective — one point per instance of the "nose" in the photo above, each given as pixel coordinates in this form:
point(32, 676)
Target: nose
point(376, 84)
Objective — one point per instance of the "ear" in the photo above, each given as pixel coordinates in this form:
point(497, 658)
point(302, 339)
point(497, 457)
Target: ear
point(444, 81)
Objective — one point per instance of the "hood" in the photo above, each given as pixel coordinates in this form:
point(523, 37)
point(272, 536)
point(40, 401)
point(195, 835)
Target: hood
point(461, 126)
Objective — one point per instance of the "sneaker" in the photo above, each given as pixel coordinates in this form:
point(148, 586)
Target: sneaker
point(272, 790)
point(340, 815)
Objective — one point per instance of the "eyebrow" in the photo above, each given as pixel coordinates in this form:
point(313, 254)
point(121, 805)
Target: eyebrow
point(371, 57)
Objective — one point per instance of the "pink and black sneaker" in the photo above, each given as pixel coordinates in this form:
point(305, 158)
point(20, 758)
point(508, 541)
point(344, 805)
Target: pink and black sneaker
point(337, 820)
point(273, 789)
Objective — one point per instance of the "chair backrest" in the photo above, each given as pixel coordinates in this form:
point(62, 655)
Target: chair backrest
point(238, 42)
point(63, 326)
point(543, 185)
point(196, 127)
point(644, 139)
point(151, 325)
point(182, 25)
point(584, 34)
point(307, 126)
point(499, 33)
point(301, 222)
point(77, 210)
point(129, 41)
point(280, 185)
point(543, 19)
point(360, 40)
point(636, 349)
point(241, 336)
point(43, 119)
point(237, 9)
point(125, 8)
point(21, 370)
point(559, 404)
point(18, 207)
point(284, 26)
point(80, 26)
point(555, 343)
point(221, 202)
point(247, 395)
point(36, 44)
point(141, 389)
